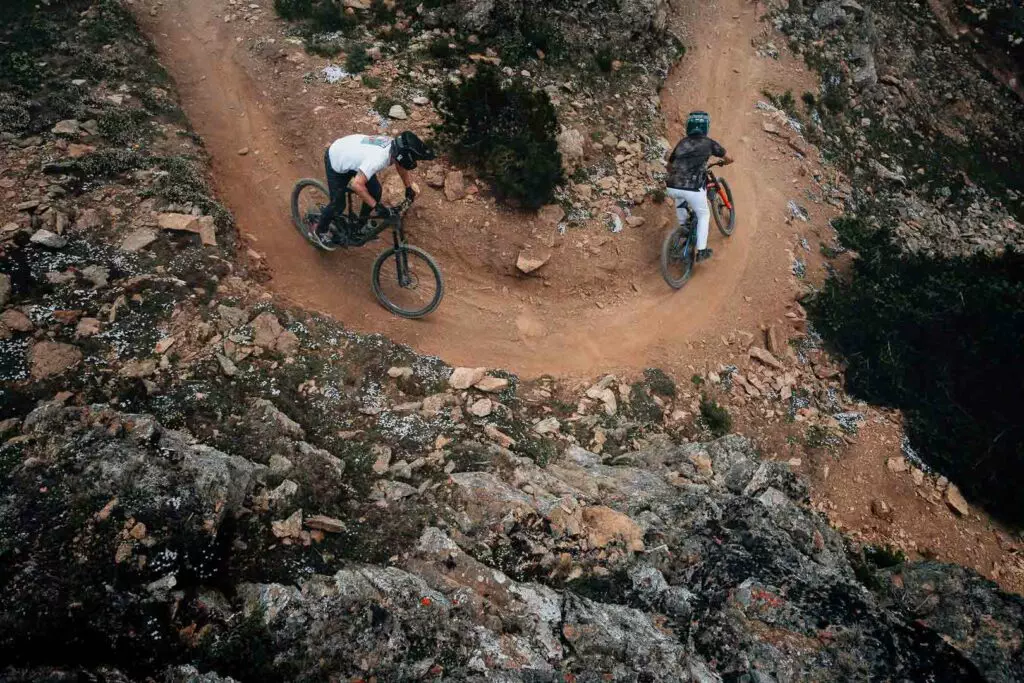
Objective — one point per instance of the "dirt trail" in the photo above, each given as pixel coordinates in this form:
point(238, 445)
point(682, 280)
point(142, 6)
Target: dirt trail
point(487, 317)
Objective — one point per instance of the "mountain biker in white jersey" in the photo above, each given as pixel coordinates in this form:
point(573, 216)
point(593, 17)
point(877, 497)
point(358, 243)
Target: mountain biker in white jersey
point(355, 160)
point(687, 176)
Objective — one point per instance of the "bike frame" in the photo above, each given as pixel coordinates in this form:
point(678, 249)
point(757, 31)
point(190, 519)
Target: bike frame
point(713, 185)
point(379, 226)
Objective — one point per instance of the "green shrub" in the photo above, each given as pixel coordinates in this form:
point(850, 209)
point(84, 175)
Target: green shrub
point(507, 131)
point(441, 49)
point(382, 105)
point(357, 59)
point(125, 126)
point(715, 417)
point(659, 383)
point(604, 58)
point(940, 339)
point(371, 82)
point(293, 9)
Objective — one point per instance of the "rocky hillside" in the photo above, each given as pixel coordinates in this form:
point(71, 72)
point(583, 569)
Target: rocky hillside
point(198, 484)
point(928, 136)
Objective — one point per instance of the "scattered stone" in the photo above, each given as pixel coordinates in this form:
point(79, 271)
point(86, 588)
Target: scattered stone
point(433, 404)
point(956, 501)
point(492, 385)
point(50, 240)
point(137, 369)
point(226, 365)
point(605, 525)
point(531, 258)
point(99, 276)
point(67, 127)
point(606, 396)
point(267, 333)
point(5, 288)
point(16, 321)
point(881, 509)
point(398, 112)
point(499, 437)
point(435, 177)
point(49, 359)
point(765, 357)
point(88, 327)
point(481, 408)
point(463, 378)
point(325, 523)
point(89, 219)
point(163, 345)
point(421, 101)
point(77, 151)
point(570, 146)
point(242, 152)
point(400, 372)
point(203, 226)
point(138, 240)
point(548, 425)
point(279, 465)
point(897, 465)
point(288, 528)
point(454, 186)
point(383, 461)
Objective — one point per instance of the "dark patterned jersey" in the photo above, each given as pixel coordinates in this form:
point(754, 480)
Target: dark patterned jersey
point(688, 164)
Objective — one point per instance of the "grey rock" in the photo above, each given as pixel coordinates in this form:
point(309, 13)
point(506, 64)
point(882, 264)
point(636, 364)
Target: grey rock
point(5, 289)
point(50, 240)
point(138, 240)
point(829, 14)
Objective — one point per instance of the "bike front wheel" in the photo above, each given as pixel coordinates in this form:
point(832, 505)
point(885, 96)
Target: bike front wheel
point(309, 198)
point(725, 216)
point(678, 254)
point(407, 281)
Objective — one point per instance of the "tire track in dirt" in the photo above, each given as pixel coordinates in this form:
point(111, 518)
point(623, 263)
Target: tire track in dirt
point(488, 318)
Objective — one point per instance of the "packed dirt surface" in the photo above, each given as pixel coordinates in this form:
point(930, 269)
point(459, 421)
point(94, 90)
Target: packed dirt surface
point(600, 304)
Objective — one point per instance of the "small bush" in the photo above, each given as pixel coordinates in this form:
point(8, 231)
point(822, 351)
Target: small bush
point(507, 131)
point(715, 417)
point(604, 58)
point(382, 105)
point(371, 82)
point(293, 9)
point(659, 383)
point(323, 47)
point(124, 127)
point(357, 59)
point(441, 49)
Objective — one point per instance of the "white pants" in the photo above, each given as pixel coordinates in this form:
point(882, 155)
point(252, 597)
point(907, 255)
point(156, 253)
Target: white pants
point(698, 201)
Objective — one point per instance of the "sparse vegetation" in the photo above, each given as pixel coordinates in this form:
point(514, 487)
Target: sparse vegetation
point(715, 417)
point(357, 59)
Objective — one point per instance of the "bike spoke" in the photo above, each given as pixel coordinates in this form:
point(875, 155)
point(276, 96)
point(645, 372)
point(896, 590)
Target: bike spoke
point(408, 282)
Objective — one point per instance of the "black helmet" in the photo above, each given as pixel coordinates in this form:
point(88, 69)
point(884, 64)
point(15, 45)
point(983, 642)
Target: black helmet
point(409, 149)
point(698, 122)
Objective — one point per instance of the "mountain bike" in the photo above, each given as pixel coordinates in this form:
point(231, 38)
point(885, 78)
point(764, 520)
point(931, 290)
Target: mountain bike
point(679, 250)
point(405, 279)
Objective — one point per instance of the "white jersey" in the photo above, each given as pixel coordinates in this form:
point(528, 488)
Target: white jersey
point(370, 154)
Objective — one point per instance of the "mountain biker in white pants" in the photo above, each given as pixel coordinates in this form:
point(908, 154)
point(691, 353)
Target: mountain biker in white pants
point(687, 176)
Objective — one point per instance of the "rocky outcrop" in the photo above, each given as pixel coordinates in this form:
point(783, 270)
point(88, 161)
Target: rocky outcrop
point(695, 562)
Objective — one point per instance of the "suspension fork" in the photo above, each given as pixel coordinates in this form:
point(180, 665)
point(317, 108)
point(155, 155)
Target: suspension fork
point(401, 258)
point(720, 191)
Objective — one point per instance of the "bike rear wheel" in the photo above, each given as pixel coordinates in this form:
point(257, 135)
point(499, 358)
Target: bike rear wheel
point(309, 198)
point(678, 254)
point(725, 217)
point(407, 281)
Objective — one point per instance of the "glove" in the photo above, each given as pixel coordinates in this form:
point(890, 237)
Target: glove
point(382, 211)
point(410, 193)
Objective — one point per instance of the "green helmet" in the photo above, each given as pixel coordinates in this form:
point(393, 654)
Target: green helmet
point(698, 122)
